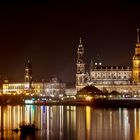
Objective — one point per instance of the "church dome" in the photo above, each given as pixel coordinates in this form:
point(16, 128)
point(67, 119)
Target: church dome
point(136, 57)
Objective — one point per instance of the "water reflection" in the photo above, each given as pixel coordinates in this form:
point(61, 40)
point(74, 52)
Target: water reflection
point(71, 122)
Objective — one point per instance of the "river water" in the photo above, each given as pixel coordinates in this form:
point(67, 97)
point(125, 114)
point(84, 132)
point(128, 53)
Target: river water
point(71, 122)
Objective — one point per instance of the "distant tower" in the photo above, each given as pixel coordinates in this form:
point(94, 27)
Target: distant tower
point(136, 62)
point(28, 73)
point(80, 74)
point(91, 65)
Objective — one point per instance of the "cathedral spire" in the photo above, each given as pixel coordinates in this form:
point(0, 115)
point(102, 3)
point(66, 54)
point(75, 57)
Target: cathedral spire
point(91, 65)
point(80, 74)
point(80, 40)
point(28, 61)
point(136, 61)
point(28, 73)
point(138, 36)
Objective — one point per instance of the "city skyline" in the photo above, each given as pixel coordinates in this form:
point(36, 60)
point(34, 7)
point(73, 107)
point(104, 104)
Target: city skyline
point(48, 35)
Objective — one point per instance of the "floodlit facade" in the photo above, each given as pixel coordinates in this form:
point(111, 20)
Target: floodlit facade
point(53, 88)
point(109, 78)
point(22, 88)
point(110, 75)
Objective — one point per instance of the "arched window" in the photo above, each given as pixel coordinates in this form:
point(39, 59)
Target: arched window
point(114, 77)
point(103, 77)
point(80, 80)
point(125, 77)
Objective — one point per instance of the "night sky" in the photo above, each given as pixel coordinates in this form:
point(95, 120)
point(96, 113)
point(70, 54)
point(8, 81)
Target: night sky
point(48, 35)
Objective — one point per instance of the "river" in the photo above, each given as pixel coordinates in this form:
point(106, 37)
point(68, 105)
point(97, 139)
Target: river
point(71, 122)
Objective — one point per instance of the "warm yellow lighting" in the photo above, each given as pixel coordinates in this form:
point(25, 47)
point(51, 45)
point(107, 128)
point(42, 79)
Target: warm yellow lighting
point(89, 98)
point(27, 93)
point(88, 122)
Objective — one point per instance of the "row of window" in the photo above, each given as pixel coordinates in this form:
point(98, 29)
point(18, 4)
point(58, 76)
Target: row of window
point(108, 73)
point(109, 77)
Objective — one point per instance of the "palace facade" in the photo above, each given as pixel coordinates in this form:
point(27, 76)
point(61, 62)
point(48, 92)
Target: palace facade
point(123, 79)
point(52, 88)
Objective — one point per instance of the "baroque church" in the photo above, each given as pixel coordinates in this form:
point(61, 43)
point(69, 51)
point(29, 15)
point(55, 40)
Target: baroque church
point(109, 78)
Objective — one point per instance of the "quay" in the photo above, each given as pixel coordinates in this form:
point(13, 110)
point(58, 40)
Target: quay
point(99, 102)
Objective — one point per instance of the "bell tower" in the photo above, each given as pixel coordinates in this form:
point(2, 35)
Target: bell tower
point(80, 74)
point(136, 62)
point(28, 73)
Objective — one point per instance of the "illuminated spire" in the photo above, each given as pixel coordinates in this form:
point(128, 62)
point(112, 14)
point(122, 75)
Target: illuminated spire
point(80, 40)
point(91, 65)
point(28, 73)
point(138, 36)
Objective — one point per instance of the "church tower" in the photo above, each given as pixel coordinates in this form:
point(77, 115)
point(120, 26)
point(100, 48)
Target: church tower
point(28, 73)
point(80, 74)
point(136, 62)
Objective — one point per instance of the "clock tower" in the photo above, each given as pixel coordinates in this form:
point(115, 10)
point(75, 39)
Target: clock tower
point(136, 62)
point(80, 74)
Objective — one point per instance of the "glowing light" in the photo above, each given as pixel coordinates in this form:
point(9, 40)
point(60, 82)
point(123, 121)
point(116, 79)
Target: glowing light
point(88, 122)
point(89, 98)
point(61, 95)
point(27, 93)
point(44, 99)
point(29, 101)
point(52, 95)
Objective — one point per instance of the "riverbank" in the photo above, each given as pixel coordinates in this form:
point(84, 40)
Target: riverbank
point(100, 102)
point(107, 103)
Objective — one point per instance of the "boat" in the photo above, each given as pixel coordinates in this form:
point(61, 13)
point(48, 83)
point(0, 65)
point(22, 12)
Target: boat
point(26, 129)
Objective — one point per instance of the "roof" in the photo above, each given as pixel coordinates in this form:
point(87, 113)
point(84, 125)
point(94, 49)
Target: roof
point(115, 93)
point(92, 90)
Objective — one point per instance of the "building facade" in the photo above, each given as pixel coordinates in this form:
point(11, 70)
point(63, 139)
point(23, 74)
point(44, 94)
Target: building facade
point(52, 88)
point(108, 75)
point(109, 78)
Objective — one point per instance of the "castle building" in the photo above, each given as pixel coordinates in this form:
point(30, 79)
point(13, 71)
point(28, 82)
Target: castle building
point(109, 78)
point(52, 88)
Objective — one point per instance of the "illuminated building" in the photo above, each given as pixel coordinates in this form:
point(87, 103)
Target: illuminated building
point(80, 75)
point(28, 73)
point(110, 75)
point(136, 62)
point(53, 88)
point(120, 78)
